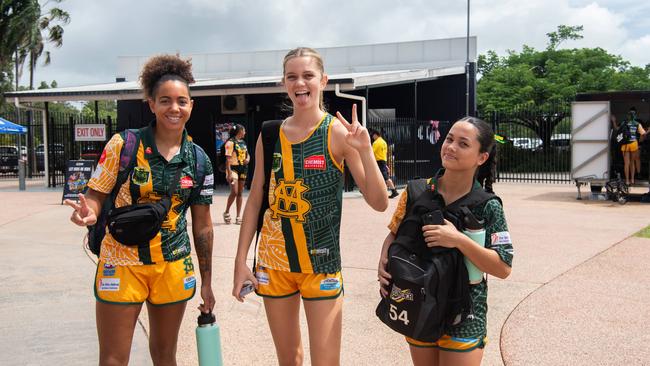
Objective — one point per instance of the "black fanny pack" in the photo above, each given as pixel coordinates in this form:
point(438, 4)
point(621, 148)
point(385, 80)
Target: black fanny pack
point(136, 225)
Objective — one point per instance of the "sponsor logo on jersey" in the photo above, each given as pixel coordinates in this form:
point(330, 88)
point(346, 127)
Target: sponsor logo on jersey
point(189, 282)
point(316, 162)
point(501, 238)
point(188, 265)
point(398, 295)
point(320, 251)
point(289, 201)
point(209, 180)
point(109, 284)
point(148, 150)
point(186, 182)
point(329, 284)
point(102, 158)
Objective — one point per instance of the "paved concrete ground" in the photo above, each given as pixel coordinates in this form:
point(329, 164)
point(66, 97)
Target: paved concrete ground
point(577, 295)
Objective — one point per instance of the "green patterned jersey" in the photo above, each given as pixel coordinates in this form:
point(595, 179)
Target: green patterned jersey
point(300, 232)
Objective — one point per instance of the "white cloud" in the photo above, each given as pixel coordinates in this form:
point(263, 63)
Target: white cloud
point(101, 31)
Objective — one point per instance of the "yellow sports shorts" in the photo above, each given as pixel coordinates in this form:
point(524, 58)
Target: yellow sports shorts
point(451, 344)
point(159, 284)
point(631, 147)
point(311, 286)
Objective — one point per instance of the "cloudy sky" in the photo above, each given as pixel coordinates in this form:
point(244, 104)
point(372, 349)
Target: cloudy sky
point(100, 31)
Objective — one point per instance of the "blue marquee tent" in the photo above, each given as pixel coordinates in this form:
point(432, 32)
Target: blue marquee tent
point(11, 128)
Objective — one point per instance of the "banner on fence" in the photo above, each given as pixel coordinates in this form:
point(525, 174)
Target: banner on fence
point(77, 174)
point(90, 132)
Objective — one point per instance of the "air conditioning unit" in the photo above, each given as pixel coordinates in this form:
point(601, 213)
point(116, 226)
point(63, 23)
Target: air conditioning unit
point(233, 104)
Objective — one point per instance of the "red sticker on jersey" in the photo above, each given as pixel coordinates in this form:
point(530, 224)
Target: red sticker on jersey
point(103, 157)
point(186, 182)
point(315, 162)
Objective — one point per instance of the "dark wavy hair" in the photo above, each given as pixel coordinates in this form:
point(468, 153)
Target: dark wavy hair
point(159, 69)
point(487, 171)
point(235, 130)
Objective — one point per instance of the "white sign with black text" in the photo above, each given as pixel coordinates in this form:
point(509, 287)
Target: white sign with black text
point(90, 132)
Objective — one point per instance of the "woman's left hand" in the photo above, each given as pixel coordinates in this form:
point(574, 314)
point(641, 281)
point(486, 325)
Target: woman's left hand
point(357, 136)
point(208, 299)
point(441, 235)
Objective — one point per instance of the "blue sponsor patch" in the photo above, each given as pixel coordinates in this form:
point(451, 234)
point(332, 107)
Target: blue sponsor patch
point(330, 284)
point(109, 270)
point(190, 282)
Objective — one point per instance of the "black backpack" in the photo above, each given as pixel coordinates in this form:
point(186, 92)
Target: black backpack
point(128, 159)
point(623, 134)
point(429, 290)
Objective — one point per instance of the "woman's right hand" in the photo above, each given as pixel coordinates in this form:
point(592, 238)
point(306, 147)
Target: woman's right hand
point(82, 215)
point(382, 275)
point(241, 275)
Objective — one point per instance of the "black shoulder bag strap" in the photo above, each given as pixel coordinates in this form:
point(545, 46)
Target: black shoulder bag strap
point(270, 133)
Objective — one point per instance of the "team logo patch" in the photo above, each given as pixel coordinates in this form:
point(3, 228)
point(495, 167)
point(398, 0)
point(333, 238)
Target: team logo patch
point(329, 284)
point(315, 162)
point(109, 284)
point(186, 182)
point(262, 278)
point(189, 282)
point(140, 175)
point(398, 295)
point(289, 201)
point(277, 162)
point(148, 150)
point(109, 270)
point(501, 238)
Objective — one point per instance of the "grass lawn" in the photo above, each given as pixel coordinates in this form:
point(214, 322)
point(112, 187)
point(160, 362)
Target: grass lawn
point(644, 233)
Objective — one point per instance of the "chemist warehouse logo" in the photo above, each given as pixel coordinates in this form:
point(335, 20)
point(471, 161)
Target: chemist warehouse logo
point(289, 201)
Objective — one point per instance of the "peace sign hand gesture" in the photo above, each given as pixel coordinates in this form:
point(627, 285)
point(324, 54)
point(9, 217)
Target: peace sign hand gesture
point(357, 136)
point(82, 214)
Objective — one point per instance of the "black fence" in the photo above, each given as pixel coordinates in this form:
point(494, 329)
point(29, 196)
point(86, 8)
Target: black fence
point(536, 143)
point(413, 146)
point(61, 142)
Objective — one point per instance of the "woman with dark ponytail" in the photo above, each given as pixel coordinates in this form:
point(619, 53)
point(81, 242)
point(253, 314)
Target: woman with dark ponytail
point(466, 148)
point(237, 159)
point(159, 272)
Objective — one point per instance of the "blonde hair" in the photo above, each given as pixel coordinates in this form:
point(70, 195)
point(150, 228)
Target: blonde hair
point(306, 52)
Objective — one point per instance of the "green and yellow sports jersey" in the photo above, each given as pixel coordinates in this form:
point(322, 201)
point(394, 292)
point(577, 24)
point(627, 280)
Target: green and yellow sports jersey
point(497, 238)
point(148, 182)
point(236, 151)
point(380, 149)
point(301, 227)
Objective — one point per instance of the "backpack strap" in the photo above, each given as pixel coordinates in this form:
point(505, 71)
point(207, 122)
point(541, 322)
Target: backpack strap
point(270, 133)
point(457, 210)
point(199, 170)
point(129, 150)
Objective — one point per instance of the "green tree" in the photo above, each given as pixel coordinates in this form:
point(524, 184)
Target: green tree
point(47, 29)
point(15, 17)
point(542, 82)
point(105, 108)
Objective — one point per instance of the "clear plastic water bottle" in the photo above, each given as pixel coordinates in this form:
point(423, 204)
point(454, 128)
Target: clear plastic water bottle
point(208, 340)
point(474, 229)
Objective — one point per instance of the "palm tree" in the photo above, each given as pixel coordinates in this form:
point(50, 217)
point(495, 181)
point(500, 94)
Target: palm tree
point(48, 28)
point(15, 17)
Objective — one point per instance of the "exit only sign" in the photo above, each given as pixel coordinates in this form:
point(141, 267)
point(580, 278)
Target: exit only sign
point(90, 132)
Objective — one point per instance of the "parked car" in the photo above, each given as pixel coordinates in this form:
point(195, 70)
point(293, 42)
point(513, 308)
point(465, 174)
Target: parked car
point(57, 152)
point(561, 141)
point(8, 159)
point(526, 143)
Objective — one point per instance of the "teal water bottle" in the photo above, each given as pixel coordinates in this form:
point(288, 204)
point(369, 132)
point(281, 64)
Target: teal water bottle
point(208, 340)
point(473, 228)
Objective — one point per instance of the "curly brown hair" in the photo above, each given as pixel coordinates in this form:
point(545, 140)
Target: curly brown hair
point(159, 69)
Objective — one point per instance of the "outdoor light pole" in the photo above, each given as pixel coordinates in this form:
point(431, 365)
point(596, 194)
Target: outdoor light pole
point(467, 66)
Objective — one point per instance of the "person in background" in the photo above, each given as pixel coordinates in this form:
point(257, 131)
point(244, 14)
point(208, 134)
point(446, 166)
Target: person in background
point(237, 159)
point(630, 150)
point(380, 150)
